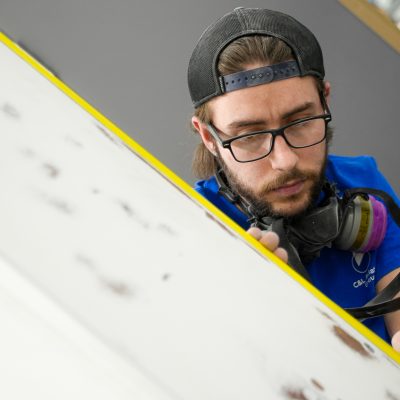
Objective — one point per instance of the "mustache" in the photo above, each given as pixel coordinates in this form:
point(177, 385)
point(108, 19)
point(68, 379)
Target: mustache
point(285, 178)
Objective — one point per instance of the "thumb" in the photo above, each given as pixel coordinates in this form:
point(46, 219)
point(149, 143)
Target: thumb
point(396, 341)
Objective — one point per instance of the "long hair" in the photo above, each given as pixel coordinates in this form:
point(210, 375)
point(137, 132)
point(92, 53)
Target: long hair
point(266, 50)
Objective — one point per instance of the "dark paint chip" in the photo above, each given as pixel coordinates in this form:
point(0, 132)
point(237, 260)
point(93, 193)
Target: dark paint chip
point(110, 136)
point(51, 170)
point(324, 314)
point(351, 342)
point(317, 385)
point(225, 228)
point(369, 348)
point(28, 153)
point(85, 260)
point(71, 140)
point(294, 394)
point(131, 213)
point(391, 396)
point(119, 288)
point(165, 277)
point(127, 208)
point(166, 229)
point(11, 111)
point(61, 205)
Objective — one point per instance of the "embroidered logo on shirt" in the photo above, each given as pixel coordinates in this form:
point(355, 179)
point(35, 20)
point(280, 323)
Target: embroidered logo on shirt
point(361, 264)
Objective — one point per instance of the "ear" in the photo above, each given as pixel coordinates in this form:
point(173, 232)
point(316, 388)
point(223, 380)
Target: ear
point(327, 92)
point(205, 135)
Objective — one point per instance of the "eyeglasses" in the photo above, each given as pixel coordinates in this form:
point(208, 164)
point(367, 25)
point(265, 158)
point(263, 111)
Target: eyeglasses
point(253, 146)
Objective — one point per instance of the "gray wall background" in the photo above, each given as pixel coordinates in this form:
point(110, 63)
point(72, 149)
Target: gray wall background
point(129, 58)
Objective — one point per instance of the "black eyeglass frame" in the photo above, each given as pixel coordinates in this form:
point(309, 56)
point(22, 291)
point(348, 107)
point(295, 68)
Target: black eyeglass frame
point(226, 144)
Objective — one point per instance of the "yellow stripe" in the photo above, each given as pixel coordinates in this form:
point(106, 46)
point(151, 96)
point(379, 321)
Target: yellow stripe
point(182, 185)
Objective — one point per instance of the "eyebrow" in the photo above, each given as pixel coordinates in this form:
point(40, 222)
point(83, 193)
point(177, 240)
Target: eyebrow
point(302, 107)
point(252, 122)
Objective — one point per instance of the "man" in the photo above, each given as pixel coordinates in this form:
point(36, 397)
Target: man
point(256, 78)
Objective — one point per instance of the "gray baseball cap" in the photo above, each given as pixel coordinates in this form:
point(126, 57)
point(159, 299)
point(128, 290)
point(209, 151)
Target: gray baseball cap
point(203, 78)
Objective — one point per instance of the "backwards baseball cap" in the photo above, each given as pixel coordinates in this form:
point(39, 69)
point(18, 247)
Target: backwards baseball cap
point(203, 77)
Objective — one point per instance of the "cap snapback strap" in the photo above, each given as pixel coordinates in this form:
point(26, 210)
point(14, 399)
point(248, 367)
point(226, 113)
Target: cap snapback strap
point(259, 76)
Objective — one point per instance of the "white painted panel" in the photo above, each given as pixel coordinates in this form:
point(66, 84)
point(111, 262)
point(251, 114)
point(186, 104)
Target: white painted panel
point(144, 268)
point(45, 354)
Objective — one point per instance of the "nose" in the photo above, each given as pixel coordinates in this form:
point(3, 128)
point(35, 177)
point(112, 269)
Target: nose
point(283, 157)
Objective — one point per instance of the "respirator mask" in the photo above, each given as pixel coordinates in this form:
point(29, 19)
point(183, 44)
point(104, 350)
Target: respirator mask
point(356, 222)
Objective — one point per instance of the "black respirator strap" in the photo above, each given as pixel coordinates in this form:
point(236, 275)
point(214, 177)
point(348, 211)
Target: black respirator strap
point(389, 202)
point(382, 303)
point(377, 310)
point(277, 225)
point(293, 256)
point(387, 293)
point(225, 191)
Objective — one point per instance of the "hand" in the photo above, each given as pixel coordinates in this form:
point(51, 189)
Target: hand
point(396, 341)
point(271, 241)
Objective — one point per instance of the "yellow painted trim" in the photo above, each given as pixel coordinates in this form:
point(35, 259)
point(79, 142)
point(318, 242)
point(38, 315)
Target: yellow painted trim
point(181, 184)
point(376, 20)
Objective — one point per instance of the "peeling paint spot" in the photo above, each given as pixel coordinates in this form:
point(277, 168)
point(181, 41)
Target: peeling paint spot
point(11, 111)
point(109, 135)
point(28, 153)
point(167, 229)
point(351, 342)
point(119, 288)
point(59, 204)
point(391, 396)
point(369, 348)
point(86, 261)
point(294, 394)
point(132, 214)
point(165, 277)
point(317, 384)
point(324, 314)
point(219, 223)
point(71, 140)
point(127, 208)
point(51, 170)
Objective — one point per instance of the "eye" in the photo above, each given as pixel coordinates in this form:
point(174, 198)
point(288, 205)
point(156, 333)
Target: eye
point(252, 139)
point(304, 123)
point(248, 138)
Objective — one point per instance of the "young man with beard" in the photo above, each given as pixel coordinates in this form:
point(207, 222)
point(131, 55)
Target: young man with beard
point(256, 78)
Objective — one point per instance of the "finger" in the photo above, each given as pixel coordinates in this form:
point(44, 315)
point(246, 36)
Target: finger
point(396, 341)
point(255, 232)
point(282, 254)
point(270, 240)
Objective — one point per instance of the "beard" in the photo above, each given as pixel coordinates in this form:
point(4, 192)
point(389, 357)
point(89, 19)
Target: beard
point(263, 208)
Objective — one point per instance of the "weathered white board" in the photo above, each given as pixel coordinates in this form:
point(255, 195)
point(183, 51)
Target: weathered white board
point(47, 355)
point(174, 291)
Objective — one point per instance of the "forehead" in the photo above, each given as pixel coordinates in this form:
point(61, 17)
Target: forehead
point(267, 101)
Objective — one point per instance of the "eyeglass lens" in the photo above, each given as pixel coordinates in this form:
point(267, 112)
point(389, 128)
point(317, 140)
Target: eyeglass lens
point(302, 134)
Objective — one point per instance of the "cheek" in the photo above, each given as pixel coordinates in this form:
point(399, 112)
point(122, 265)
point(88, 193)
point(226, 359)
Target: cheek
point(312, 157)
point(254, 174)
point(228, 159)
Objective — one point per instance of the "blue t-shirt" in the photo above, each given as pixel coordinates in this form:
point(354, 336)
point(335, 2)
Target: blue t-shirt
point(347, 278)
